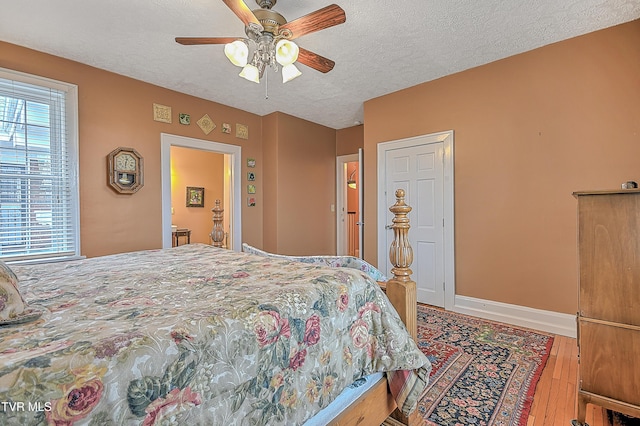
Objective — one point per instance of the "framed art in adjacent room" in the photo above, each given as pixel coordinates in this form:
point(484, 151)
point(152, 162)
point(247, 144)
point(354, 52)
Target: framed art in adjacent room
point(195, 196)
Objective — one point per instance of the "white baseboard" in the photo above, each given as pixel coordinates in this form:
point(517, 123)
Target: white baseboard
point(522, 316)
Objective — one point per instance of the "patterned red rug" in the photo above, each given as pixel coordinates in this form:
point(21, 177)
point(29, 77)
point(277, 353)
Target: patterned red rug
point(618, 419)
point(484, 373)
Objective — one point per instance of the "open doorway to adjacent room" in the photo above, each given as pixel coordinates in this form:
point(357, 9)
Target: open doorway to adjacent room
point(197, 181)
point(220, 181)
point(349, 227)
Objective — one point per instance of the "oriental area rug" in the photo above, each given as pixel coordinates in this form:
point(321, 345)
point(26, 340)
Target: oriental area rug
point(484, 373)
point(617, 419)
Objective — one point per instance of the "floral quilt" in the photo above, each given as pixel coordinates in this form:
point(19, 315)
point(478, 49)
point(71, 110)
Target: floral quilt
point(194, 335)
point(333, 261)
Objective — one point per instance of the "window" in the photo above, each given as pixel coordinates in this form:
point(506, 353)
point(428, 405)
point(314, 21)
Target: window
point(39, 206)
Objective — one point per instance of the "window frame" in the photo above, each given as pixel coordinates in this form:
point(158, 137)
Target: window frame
point(72, 169)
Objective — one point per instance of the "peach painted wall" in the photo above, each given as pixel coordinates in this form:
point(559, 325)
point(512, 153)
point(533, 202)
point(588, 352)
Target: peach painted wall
point(300, 167)
point(348, 140)
point(118, 111)
point(270, 178)
point(529, 130)
point(192, 167)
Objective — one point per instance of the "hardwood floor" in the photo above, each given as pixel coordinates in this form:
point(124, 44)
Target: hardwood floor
point(555, 397)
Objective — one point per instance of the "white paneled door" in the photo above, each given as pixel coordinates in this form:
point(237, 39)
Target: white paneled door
point(418, 168)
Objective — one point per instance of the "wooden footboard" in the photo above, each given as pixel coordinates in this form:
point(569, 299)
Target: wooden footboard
point(377, 405)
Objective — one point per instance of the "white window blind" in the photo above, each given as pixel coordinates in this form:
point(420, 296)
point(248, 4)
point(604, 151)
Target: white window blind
point(39, 208)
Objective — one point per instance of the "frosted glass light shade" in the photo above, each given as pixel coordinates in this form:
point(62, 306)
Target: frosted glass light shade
point(251, 73)
point(286, 52)
point(289, 72)
point(237, 52)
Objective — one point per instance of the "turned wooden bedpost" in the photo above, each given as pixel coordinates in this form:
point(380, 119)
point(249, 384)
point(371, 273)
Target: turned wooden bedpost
point(401, 289)
point(217, 233)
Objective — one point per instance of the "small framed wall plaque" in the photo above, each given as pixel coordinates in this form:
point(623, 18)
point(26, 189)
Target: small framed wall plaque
point(162, 113)
point(206, 124)
point(242, 131)
point(184, 118)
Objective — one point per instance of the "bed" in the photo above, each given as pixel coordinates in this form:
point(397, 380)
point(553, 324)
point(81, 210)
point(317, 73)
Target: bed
point(198, 334)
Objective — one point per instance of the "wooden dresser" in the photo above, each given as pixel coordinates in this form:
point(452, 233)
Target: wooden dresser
point(609, 301)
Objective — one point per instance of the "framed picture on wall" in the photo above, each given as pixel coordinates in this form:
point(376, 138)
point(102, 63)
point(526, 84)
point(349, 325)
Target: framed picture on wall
point(195, 196)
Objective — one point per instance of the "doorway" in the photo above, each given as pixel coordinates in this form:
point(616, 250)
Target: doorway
point(423, 167)
point(232, 184)
point(349, 206)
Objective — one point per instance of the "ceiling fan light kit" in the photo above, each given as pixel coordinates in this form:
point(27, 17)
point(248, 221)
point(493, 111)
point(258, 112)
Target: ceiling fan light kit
point(269, 40)
point(251, 73)
point(268, 51)
point(286, 52)
point(289, 72)
point(237, 52)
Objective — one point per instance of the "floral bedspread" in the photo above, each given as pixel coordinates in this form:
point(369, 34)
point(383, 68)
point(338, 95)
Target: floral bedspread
point(193, 335)
point(333, 261)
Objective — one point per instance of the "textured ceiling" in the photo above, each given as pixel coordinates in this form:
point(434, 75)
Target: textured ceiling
point(384, 46)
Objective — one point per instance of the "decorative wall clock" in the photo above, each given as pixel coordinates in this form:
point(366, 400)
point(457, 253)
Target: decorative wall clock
point(125, 170)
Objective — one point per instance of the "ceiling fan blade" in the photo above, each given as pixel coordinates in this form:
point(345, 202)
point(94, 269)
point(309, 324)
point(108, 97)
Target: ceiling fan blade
point(315, 61)
point(243, 12)
point(205, 40)
point(315, 21)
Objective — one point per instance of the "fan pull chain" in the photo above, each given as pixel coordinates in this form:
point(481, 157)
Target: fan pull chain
point(266, 85)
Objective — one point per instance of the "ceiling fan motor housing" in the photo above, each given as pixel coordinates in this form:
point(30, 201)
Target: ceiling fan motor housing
point(270, 20)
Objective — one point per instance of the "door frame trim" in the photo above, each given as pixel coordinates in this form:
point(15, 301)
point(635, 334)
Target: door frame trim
point(446, 138)
point(233, 182)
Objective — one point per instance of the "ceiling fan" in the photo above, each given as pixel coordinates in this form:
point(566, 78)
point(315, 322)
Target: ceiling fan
point(269, 39)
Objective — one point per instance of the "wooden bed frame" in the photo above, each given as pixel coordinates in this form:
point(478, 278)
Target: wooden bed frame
point(217, 233)
point(376, 406)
